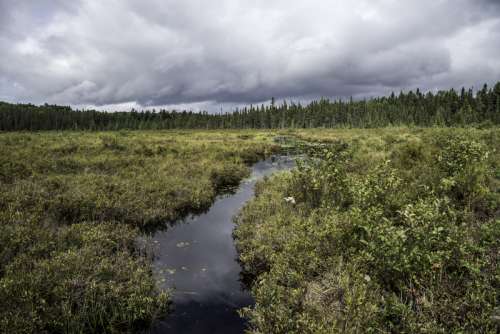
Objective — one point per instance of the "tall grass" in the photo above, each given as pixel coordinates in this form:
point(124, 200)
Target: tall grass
point(389, 231)
point(72, 205)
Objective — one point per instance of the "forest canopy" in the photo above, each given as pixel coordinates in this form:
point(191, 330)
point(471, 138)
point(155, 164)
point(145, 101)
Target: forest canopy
point(442, 108)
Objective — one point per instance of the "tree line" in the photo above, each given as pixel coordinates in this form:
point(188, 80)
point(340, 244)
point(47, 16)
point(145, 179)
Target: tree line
point(443, 108)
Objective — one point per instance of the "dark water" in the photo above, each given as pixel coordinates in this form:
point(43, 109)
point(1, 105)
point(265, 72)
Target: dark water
point(197, 258)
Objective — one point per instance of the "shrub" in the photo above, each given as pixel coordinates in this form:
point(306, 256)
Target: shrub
point(83, 278)
point(385, 247)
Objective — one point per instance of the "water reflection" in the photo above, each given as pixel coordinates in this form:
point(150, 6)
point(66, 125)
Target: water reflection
point(198, 259)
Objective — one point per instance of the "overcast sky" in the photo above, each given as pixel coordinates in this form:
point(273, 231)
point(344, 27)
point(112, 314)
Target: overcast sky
point(118, 54)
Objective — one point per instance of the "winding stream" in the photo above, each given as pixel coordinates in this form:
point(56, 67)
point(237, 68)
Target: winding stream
point(197, 258)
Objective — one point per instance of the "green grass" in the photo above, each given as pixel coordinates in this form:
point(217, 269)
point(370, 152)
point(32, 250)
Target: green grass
point(393, 230)
point(72, 205)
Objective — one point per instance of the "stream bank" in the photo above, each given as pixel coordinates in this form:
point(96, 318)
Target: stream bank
point(196, 258)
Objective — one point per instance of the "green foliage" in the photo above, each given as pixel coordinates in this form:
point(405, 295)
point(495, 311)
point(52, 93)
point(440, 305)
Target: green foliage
point(384, 246)
point(71, 208)
point(443, 108)
point(324, 175)
point(82, 278)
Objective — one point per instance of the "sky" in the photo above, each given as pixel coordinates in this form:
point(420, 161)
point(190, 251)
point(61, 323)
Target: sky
point(213, 55)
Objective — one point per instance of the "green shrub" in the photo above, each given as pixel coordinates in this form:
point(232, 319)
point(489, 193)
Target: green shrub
point(402, 246)
point(111, 143)
point(83, 278)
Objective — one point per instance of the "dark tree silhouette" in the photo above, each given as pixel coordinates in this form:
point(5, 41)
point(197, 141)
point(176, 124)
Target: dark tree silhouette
point(444, 108)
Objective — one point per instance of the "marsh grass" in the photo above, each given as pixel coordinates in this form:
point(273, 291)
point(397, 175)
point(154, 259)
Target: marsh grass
point(72, 205)
point(391, 230)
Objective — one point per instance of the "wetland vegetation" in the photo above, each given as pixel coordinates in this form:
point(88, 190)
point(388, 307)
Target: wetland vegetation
point(378, 231)
point(72, 206)
point(382, 230)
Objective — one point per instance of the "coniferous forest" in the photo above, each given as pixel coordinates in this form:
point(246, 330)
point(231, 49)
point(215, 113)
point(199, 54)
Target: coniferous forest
point(444, 108)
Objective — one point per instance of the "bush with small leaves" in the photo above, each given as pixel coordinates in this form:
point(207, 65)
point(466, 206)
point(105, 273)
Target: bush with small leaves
point(379, 247)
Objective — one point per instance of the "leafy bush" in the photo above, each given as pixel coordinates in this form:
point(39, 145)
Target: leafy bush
point(82, 278)
point(380, 247)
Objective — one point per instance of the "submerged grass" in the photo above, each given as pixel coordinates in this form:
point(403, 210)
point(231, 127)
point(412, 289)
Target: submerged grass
point(72, 205)
point(381, 231)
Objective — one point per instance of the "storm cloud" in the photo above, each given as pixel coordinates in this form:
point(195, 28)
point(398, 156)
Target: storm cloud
point(201, 54)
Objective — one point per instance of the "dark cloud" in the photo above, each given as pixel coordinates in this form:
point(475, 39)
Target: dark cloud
point(157, 52)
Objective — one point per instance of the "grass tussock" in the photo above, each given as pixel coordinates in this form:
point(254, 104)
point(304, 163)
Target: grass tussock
point(389, 231)
point(72, 205)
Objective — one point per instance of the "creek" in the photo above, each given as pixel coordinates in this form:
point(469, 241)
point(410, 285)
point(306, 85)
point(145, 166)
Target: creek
point(197, 259)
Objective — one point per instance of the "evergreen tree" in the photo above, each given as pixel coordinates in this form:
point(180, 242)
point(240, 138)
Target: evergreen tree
point(445, 108)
